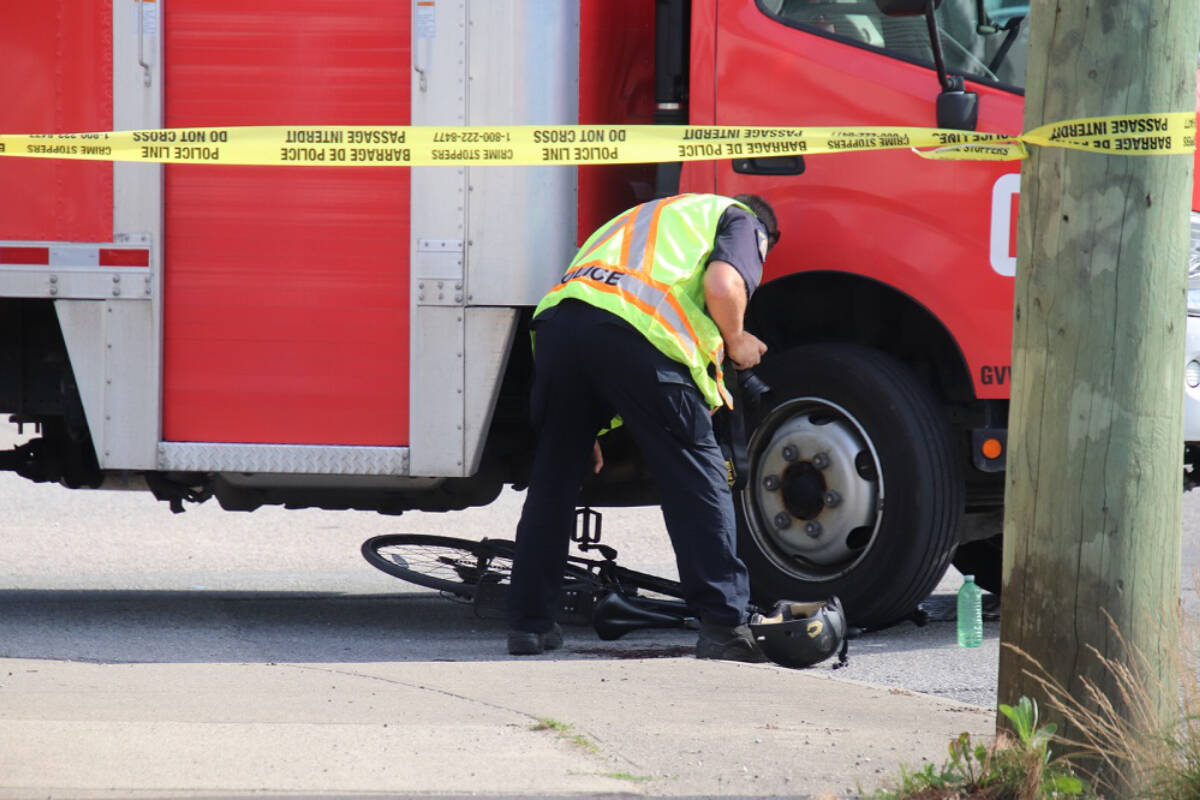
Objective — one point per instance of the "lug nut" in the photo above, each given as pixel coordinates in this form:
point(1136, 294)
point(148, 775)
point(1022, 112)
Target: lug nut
point(813, 529)
point(790, 452)
point(783, 520)
point(832, 499)
point(820, 460)
point(771, 483)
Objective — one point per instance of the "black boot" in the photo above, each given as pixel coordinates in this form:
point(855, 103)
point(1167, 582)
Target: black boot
point(727, 643)
point(525, 643)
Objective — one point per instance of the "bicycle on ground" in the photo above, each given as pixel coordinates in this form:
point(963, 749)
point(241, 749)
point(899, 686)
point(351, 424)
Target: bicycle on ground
point(613, 599)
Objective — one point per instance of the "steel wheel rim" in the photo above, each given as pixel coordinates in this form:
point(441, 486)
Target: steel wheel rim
point(803, 529)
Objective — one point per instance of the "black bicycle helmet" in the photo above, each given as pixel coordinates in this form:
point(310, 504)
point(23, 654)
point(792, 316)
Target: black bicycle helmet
point(801, 634)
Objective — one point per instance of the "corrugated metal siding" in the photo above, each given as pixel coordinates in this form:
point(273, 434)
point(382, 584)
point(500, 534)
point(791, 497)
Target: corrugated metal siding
point(56, 77)
point(287, 288)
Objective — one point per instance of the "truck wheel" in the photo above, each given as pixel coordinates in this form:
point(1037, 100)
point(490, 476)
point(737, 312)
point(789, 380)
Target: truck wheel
point(854, 488)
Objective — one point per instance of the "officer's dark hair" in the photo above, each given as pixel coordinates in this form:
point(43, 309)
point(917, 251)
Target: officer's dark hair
point(766, 215)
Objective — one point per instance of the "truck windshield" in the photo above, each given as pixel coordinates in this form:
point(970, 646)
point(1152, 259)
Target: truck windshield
point(992, 49)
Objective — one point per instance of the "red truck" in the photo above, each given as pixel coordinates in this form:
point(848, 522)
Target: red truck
point(357, 338)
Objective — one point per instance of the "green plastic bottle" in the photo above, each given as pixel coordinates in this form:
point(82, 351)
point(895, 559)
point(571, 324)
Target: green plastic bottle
point(970, 613)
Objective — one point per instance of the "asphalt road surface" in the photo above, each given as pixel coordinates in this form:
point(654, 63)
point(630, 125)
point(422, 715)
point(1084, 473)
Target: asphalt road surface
point(111, 576)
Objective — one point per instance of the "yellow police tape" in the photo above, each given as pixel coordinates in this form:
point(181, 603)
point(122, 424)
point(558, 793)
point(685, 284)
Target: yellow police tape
point(527, 145)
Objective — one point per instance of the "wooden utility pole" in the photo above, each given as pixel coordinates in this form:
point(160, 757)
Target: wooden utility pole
point(1092, 517)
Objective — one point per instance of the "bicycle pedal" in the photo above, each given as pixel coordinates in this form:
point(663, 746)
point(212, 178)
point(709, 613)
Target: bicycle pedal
point(588, 523)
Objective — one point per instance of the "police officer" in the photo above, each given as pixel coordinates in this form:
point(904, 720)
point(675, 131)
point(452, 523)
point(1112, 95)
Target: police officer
point(639, 327)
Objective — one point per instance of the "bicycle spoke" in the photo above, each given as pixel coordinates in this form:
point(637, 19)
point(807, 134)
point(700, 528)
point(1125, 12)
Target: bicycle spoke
point(457, 566)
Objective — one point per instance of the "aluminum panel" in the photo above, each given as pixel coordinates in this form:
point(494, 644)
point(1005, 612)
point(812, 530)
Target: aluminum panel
point(438, 268)
point(440, 292)
point(488, 341)
point(81, 322)
point(111, 347)
point(521, 222)
point(439, 98)
point(131, 429)
point(77, 284)
point(282, 459)
point(137, 92)
point(438, 392)
point(438, 231)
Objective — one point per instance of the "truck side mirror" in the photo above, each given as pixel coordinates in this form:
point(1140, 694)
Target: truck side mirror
point(956, 108)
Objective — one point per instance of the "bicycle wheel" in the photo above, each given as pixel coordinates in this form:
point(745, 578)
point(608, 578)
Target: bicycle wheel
point(457, 566)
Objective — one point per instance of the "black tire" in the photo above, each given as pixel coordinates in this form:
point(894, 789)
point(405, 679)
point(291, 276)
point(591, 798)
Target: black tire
point(985, 560)
point(885, 539)
point(456, 566)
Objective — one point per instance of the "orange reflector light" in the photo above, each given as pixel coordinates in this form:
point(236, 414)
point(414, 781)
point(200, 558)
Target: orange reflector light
point(991, 448)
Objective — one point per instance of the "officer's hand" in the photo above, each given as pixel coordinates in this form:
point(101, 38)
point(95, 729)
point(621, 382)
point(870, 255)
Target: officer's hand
point(745, 351)
point(597, 458)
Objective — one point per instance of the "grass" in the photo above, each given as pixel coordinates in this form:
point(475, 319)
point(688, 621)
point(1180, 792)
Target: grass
point(1120, 746)
point(1019, 767)
point(1137, 754)
point(547, 724)
point(565, 732)
point(625, 776)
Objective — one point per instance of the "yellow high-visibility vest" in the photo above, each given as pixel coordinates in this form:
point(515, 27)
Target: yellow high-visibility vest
point(647, 266)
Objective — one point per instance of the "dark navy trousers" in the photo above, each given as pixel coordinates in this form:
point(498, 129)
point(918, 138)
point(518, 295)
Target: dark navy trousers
point(589, 365)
